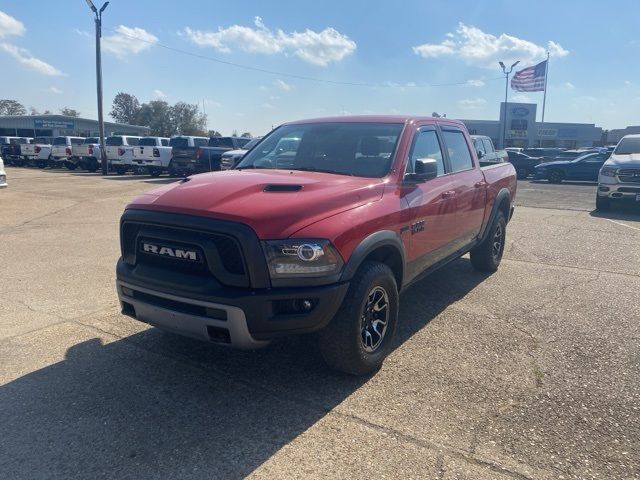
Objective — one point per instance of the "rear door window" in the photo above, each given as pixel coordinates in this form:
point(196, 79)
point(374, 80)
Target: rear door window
point(458, 150)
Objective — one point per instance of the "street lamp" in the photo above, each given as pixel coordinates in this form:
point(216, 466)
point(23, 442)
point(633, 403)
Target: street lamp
point(506, 90)
point(98, 20)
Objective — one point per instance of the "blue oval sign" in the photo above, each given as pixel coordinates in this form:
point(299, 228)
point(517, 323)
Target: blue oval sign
point(520, 112)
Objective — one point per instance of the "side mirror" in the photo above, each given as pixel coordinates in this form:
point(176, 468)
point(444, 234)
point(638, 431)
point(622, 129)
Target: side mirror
point(425, 169)
point(480, 154)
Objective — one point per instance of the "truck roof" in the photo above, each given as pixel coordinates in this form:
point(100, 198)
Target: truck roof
point(377, 119)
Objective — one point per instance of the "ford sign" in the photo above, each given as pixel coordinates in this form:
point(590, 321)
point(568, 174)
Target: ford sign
point(520, 112)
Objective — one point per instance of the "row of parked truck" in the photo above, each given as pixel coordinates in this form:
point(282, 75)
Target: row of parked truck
point(180, 155)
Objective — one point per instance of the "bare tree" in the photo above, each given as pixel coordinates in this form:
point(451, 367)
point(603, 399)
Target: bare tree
point(12, 107)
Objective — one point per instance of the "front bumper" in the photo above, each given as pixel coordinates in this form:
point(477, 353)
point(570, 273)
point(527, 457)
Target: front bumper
point(619, 191)
point(253, 316)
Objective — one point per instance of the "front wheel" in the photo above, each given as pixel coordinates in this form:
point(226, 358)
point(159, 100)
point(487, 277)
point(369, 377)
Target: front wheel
point(555, 176)
point(602, 203)
point(486, 257)
point(360, 336)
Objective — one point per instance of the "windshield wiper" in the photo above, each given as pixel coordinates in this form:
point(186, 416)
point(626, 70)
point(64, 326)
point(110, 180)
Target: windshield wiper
point(321, 170)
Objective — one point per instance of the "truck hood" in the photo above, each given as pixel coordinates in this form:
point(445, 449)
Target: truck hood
point(275, 203)
point(617, 160)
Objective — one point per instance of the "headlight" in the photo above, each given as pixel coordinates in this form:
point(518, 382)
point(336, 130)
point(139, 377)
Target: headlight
point(293, 258)
point(608, 171)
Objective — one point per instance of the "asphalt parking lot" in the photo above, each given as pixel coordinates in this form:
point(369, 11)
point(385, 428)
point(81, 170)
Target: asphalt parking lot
point(531, 372)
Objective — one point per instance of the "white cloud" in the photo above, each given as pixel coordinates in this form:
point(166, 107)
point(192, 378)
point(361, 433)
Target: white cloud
point(159, 94)
point(627, 83)
point(475, 83)
point(485, 50)
point(569, 86)
point(83, 33)
point(212, 103)
point(318, 48)
point(24, 57)
point(274, 97)
point(267, 106)
point(282, 85)
point(521, 98)
point(55, 90)
point(128, 41)
point(471, 103)
point(9, 26)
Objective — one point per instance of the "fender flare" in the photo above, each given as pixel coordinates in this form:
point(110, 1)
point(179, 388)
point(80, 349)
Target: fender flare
point(383, 238)
point(502, 194)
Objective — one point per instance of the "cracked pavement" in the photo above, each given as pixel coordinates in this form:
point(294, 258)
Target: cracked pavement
point(531, 372)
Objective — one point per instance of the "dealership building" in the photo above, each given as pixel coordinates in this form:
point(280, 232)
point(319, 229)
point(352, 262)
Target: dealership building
point(522, 130)
point(61, 125)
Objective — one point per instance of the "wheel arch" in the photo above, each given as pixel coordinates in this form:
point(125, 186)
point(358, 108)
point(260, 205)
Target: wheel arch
point(501, 204)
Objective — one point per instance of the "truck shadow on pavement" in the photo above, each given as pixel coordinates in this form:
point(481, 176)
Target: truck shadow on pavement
point(154, 405)
point(629, 213)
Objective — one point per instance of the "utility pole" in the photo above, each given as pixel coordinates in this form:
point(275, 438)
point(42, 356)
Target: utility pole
point(98, 20)
point(506, 91)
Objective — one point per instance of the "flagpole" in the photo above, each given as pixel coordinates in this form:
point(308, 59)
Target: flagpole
point(544, 99)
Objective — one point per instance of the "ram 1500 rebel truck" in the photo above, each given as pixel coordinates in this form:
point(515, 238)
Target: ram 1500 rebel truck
point(203, 158)
point(319, 239)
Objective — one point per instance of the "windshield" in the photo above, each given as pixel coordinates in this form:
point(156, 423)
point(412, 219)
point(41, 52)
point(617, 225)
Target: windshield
point(148, 142)
point(360, 149)
point(113, 141)
point(627, 146)
point(225, 142)
point(60, 141)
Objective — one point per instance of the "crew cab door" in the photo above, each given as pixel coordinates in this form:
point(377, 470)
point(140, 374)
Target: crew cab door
point(429, 208)
point(468, 184)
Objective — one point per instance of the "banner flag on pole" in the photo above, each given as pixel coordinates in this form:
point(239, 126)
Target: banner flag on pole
point(530, 79)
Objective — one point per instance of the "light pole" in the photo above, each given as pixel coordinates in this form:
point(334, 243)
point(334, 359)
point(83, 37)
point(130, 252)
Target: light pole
point(506, 90)
point(98, 20)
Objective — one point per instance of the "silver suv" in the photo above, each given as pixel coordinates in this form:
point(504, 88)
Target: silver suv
point(619, 177)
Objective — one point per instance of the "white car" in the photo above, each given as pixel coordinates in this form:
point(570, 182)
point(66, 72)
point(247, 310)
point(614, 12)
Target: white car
point(119, 150)
point(152, 154)
point(3, 175)
point(619, 177)
point(62, 151)
point(232, 157)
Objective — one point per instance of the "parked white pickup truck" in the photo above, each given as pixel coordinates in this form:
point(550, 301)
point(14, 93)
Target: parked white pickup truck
point(38, 152)
point(119, 150)
point(62, 151)
point(153, 155)
point(87, 155)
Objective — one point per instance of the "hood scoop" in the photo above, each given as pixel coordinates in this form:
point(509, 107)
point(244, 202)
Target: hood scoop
point(282, 187)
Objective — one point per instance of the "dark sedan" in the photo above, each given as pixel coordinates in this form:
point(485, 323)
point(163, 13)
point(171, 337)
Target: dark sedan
point(523, 163)
point(584, 168)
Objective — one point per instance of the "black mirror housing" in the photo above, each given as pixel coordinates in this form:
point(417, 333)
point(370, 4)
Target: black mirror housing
point(425, 169)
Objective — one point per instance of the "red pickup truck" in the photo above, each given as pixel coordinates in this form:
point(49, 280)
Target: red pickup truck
point(317, 229)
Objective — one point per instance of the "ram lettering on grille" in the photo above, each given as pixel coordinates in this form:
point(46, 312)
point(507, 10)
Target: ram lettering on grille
point(170, 252)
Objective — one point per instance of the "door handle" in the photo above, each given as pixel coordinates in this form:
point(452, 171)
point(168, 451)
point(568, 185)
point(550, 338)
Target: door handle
point(449, 194)
point(480, 184)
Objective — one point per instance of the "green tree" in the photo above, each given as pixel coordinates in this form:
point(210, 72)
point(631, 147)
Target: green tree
point(157, 116)
point(186, 119)
point(69, 112)
point(12, 107)
point(125, 108)
point(246, 135)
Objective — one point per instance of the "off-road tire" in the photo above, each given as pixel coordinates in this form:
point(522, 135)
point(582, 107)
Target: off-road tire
point(486, 257)
point(341, 342)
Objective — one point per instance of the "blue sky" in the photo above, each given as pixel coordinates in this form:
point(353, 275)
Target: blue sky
point(401, 49)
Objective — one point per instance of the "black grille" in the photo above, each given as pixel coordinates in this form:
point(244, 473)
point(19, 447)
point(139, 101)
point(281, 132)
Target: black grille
point(219, 255)
point(629, 175)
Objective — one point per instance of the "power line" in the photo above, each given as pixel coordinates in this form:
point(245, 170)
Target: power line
point(303, 77)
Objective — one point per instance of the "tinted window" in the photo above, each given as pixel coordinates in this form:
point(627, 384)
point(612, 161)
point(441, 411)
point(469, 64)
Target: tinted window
point(60, 141)
point(147, 142)
point(628, 146)
point(91, 140)
point(77, 141)
point(41, 140)
point(179, 142)
point(225, 142)
point(200, 142)
point(346, 148)
point(133, 141)
point(477, 142)
point(488, 146)
point(426, 146)
point(23, 141)
point(113, 141)
point(458, 149)
point(164, 142)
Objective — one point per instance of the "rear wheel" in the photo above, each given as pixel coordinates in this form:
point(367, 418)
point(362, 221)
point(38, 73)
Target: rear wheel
point(154, 172)
point(360, 336)
point(486, 257)
point(602, 203)
point(71, 165)
point(556, 176)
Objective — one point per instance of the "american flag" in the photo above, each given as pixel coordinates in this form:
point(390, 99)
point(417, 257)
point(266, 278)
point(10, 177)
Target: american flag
point(530, 79)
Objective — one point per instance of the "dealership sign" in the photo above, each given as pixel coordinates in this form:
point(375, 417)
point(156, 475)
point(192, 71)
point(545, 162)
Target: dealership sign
point(53, 124)
point(520, 112)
